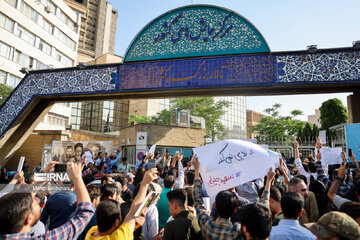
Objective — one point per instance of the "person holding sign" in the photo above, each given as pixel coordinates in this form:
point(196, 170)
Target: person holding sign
point(225, 204)
point(346, 183)
point(108, 215)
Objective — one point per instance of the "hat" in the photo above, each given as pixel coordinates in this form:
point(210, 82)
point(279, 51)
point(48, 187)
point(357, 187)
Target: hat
point(129, 175)
point(335, 224)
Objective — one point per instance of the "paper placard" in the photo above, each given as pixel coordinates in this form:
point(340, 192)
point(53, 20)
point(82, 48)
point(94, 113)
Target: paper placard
point(152, 149)
point(331, 155)
point(150, 199)
point(207, 203)
point(21, 164)
point(322, 136)
point(229, 163)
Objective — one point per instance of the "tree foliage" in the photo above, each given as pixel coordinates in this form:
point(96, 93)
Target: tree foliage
point(4, 92)
point(209, 109)
point(162, 118)
point(276, 126)
point(332, 112)
point(205, 107)
point(315, 131)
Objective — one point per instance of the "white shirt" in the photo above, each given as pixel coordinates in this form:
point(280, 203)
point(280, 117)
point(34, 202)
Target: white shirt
point(97, 163)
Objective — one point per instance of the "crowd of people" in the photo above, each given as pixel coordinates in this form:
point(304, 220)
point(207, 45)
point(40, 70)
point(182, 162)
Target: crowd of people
point(302, 199)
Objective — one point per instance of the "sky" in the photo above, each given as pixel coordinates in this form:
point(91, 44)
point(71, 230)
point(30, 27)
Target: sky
point(285, 25)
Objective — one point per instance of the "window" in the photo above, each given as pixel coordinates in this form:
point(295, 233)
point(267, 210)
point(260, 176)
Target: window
point(23, 59)
point(49, 4)
point(2, 77)
point(64, 38)
point(34, 16)
point(25, 35)
point(56, 119)
point(61, 15)
point(40, 65)
point(48, 27)
point(63, 59)
point(27, 11)
point(5, 50)
point(6, 23)
point(46, 48)
point(13, 81)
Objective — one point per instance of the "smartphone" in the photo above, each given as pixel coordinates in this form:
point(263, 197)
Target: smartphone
point(60, 168)
point(151, 164)
point(350, 153)
point(352, 164)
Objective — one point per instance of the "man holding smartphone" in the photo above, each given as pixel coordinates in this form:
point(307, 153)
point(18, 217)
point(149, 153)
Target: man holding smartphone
point(332, 193)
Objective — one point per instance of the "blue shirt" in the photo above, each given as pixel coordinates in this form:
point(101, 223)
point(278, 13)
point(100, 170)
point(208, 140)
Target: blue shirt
point(108, 166)
point(60, 207)
point(138, 165)
point(290, 230)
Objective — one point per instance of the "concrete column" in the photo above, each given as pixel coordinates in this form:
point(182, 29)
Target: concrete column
point(353, 102)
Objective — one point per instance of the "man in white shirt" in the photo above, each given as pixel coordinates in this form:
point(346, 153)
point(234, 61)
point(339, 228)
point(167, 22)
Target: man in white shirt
point(99, 159)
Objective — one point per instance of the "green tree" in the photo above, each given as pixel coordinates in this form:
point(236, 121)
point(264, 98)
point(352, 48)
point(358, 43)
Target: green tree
point(315, 131)
point(332, 112)
point(307, 131)
point(205, 107)
point(4, 92)
point(276, 126)
point(209, 109)
point(133, 118)
point(162, 118)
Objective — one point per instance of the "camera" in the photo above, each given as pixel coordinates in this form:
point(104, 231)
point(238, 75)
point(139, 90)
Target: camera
point(60, 168)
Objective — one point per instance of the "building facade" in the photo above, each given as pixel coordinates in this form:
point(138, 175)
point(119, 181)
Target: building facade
point(252, 119)
point(234, 118)
point(97, 28)
point(96, 46)
point(103, 116)
point(37, 35)
point(315, 119)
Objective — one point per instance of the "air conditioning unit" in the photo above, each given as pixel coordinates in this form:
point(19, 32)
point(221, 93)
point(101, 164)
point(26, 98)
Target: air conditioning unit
point(180, 118)
point(47, 9)
point(184, 118)
point(174, 118)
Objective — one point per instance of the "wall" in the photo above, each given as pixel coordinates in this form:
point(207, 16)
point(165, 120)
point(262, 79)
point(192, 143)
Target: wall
point(165, 135)
point(252, 119)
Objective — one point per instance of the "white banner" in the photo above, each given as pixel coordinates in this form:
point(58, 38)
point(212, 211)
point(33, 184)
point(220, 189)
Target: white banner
point(229, 163)
point(322, 136)
point(331, 156)
point(152, 149)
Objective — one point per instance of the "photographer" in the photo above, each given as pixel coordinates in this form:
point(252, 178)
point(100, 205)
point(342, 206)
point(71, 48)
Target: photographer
point(332, 193)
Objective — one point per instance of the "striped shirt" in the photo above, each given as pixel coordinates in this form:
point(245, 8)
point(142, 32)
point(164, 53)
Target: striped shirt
point(70, 230)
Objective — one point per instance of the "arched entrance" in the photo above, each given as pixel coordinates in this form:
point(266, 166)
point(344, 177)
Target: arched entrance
point(197, 50)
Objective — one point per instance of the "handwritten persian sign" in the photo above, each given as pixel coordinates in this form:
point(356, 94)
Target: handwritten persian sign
point(331, 155)
point(229, 163)
point(196, 30)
